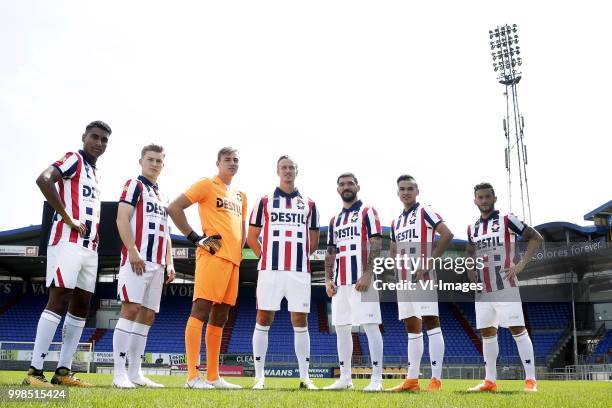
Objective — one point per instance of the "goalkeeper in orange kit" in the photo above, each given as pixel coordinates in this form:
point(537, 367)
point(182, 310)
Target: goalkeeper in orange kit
point(222, 213)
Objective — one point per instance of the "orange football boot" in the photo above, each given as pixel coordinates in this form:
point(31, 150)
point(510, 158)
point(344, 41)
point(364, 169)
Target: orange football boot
point(409, 384)
point(434, 385)
point(531, 386)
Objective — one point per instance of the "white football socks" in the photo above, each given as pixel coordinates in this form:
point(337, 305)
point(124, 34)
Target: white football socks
point(344, 341)
point(260, 348)
point(375, 345)
point(121, 345)
point(136, 349)
point(415, 353)
point(490, 350)
point(71, 334)
point(47, 325)
point(436, 351)
point(525, 349)
point(301, 343)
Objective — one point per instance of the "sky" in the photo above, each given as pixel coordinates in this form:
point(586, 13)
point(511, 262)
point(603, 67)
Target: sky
point(377, 88)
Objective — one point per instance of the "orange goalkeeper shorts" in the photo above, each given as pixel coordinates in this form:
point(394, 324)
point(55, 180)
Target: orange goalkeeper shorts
point(216, 279)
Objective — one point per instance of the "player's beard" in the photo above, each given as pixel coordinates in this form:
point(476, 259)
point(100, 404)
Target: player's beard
point(348, 199)
point(487, 209)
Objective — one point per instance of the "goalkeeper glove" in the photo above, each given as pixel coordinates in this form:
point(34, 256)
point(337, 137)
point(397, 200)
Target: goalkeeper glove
point(212, 244)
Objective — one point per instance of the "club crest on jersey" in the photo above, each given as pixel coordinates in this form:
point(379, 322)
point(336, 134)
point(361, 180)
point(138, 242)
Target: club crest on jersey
point(495, 226)
point(355, 216)
point(412, 218)
point(239, 197)
point(300, 204)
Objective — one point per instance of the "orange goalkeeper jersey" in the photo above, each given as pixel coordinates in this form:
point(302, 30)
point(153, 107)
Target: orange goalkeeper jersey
point(223, 212)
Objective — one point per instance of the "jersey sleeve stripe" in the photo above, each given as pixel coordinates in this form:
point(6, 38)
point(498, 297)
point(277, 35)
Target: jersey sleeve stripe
point(264, 252)
point(515, 224)
point(257, 214)
point(139, 216)
point(376, 222)
point(74, 194)
point(67, 166)
point(432, 218)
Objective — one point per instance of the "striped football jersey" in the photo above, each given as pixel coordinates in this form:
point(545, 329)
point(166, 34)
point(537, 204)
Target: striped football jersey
point(80, 194)
point(286, 220)
point(413, 232)
point(349, 232)
point(149, 221)
point(495, 242)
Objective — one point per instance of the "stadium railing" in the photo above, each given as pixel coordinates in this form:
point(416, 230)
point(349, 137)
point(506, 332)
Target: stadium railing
point(17, 355)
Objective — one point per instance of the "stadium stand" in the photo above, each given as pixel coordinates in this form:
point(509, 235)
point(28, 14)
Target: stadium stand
point(547, 322)
point(604, 347)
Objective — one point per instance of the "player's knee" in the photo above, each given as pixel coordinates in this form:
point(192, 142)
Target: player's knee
point(517, 330)
point(79, 302)
point(265, 318)
point(431, 322)
point(299, 319)
point(130, 311)
point(218, 315)
point(488, 331)
point(413, 325)
point(59, 299)
point(146, 316)
point(201, 309)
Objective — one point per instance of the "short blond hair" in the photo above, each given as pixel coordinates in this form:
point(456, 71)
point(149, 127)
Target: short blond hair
point(152, 148)
point(226, 151)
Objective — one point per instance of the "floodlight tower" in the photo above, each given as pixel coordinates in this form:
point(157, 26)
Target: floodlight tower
point(506, 52)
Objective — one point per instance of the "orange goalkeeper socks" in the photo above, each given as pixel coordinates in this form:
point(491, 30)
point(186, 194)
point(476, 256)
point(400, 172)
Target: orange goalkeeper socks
point(213, 348)
point(193, 341)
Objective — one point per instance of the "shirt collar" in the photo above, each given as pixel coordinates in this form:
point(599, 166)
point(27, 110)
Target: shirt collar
point(147, 182)
point(356, 205)
point(494, 214)
point(90, 160)
point(280, 193)
point(217, 180)
point(411, 209)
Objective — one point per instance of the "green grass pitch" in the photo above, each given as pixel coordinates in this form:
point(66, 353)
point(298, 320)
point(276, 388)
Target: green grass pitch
point(283, 393)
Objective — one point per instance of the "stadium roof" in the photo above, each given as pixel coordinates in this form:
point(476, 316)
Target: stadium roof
point(605, 209)
point(556, 231)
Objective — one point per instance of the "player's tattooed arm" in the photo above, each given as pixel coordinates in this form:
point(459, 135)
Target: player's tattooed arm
point(46, 183)
point(330, 259)
point(534, 240)
point(365, 281)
